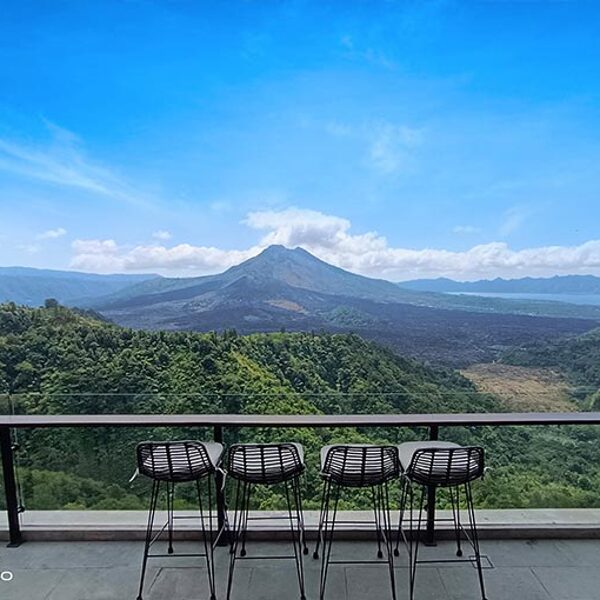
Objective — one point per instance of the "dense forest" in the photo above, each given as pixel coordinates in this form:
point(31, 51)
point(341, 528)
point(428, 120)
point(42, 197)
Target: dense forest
point(57, 360)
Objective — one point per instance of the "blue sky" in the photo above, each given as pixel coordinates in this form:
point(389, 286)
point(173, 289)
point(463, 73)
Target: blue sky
point(396, 139)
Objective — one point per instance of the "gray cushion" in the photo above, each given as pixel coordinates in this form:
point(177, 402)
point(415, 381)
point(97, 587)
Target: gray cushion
point(408, 449)
point(215, 452)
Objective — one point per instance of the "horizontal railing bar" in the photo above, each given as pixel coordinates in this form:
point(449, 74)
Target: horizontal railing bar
point(360, 420)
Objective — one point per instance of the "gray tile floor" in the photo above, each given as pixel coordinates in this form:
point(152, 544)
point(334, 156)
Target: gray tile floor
point(522, 570)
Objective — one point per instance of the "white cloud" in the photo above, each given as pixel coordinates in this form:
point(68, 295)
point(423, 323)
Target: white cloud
point(326, 234)
point(330, 238)
point(466, 229)
point(100, 256)
point(95, 247)
point(106, 256)
point(63, 162)
point(52, 234)
point(162, 234)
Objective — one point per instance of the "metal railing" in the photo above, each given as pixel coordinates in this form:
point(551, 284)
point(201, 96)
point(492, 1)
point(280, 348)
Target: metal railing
point(219, 422)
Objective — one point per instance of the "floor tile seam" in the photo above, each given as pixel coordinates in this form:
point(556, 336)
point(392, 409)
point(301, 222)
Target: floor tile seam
point(51, 591)
point(537, 578)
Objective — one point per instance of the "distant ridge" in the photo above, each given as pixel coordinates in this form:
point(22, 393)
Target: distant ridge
point(79, 275)
point(559, 284)
point(29, 286)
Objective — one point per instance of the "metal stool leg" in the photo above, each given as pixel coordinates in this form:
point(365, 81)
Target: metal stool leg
point(245, 509)
point(170, 498)
point(415, 539)
point(455, 502)
point(240, 494)
point(324, 497)
point(474, 537)
point(295, 529)
point(404, 487)
point(298, 495)
point(387, 534)
point(207, 535)
point(149, 529)
point(328, 531)
point(375, 493)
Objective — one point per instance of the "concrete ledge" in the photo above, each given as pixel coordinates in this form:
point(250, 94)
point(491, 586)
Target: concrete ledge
point(130, 525)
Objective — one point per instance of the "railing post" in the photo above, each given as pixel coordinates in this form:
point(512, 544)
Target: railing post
point(10, 488)
point(430, 531)
point(221, 517)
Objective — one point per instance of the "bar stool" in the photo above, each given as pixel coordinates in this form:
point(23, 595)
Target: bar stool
point(266, 464)
point(438, 465)
point(356, 466)
point(169, 463)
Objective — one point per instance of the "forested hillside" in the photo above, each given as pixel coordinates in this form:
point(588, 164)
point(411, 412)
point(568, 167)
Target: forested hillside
point(55, 360)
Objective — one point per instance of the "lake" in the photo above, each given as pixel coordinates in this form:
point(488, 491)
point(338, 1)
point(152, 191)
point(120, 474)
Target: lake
point(593, 299)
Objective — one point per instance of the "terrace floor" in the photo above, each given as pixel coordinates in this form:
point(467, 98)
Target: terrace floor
point(520, 570)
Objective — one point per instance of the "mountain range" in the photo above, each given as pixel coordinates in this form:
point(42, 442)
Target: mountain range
point(559, 284)
point(299, 269)
point(291, 289)
point(24, 285)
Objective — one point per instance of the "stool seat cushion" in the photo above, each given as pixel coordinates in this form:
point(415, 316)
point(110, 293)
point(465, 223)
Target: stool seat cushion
point(407, 450)
point(215, 452)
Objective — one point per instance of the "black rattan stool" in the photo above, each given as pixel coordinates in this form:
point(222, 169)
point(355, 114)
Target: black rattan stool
point(356, 466)
point(266, 464)
point(169, 463)
point(439, 465)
